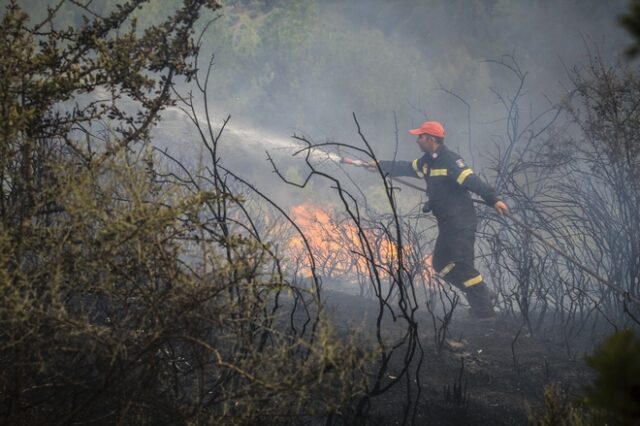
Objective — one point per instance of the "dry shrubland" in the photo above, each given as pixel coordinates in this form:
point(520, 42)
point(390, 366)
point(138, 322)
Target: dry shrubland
point(129, 294)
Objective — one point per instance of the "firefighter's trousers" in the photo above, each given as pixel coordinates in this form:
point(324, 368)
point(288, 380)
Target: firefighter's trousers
point(453, 259)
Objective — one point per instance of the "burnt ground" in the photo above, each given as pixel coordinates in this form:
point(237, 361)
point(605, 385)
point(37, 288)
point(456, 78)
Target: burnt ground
point(485, 373)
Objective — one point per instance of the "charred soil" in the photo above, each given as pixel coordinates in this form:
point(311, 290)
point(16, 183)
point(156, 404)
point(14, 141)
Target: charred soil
point(482, 372)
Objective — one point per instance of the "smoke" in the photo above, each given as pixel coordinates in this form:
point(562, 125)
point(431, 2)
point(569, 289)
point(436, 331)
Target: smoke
point(245, 149)
point(281, 70)
point(306, 66)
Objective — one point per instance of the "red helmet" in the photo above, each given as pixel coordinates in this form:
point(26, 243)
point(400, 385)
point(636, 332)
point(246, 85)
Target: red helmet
point(432, 128)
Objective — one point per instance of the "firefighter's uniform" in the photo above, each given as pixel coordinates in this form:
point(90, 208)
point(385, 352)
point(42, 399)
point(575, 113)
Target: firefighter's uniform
point(449, 181)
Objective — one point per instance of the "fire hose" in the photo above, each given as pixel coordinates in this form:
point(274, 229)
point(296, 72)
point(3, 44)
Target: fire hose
point(627, 295)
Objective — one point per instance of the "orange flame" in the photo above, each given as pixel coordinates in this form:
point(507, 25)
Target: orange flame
point(338, 248)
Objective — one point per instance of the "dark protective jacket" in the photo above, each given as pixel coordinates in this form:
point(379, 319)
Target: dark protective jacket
point(449, 181)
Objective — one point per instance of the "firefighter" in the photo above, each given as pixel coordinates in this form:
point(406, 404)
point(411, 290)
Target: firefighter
point(449, 181)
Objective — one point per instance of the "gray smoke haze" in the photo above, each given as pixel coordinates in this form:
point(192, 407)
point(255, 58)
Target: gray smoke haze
point(305, 66)
point(375, 58)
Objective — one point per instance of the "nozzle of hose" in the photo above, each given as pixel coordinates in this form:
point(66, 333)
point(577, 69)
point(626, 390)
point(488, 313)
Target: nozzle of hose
point(352, 162)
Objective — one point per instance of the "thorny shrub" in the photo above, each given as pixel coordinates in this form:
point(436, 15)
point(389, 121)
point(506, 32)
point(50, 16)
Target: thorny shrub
point(124, 297)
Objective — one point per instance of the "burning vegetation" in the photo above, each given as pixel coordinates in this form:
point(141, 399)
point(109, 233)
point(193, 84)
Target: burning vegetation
point(338, 254)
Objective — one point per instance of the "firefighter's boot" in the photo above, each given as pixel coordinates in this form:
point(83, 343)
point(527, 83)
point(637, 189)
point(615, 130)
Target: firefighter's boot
point(481, 301)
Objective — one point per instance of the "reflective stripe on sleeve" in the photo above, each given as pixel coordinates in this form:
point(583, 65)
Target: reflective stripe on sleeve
point(473, 281)
point(438, 172)
point(414, 164)
point(462, 176)
point(448, 267)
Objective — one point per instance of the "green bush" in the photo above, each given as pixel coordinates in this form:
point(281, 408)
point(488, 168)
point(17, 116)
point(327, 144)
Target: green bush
point(615, 392)
point(614, 396)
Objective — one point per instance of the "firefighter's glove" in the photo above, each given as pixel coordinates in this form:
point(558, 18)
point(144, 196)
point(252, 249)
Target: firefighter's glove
point(501, 207)
point(426, 207)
